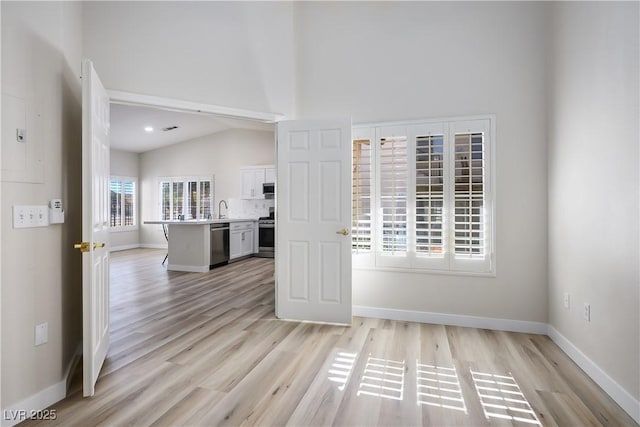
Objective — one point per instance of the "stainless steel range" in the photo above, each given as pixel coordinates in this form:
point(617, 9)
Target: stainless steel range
point(266, 236)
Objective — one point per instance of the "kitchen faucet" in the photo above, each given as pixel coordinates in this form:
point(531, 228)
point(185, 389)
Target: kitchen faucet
point(220, 216)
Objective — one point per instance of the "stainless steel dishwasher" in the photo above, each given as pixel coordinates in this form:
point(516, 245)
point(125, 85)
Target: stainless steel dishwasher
point(219, 244)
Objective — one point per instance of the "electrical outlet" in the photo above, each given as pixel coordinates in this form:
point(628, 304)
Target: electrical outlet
point(42, 333)
point(587, 312)
point(567, 300)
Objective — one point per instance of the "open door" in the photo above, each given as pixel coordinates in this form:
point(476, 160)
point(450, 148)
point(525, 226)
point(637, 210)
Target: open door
point(95, 226)
point(313, 245)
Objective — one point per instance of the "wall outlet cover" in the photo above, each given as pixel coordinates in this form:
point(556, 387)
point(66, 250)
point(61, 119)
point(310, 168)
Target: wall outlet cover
point(42, 333)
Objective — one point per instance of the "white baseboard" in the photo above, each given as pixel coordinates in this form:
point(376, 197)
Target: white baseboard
point(612, 388)
point(123, 247)
point(188, 268)
point(24, 409)
point(452, 319)
point(153, 245)
point(138, 245)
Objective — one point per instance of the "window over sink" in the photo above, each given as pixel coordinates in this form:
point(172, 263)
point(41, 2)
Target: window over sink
point(186, 197)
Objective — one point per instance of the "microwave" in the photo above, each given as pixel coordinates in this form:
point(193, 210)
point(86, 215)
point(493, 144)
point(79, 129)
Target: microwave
point(268, 190)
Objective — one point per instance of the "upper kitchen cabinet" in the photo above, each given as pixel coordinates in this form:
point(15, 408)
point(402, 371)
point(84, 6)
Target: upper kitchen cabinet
point(252, 179)
point(270, 175)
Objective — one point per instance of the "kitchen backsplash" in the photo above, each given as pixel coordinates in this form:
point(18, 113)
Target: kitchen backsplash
point(241, 208)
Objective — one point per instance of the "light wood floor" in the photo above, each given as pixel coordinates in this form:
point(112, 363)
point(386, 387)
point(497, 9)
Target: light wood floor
point(206, 349)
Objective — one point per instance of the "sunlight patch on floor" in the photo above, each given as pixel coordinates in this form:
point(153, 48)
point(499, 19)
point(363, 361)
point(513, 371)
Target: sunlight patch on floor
point(383, 378)
point(439, 386)
point(341, 368)
point(502, 398)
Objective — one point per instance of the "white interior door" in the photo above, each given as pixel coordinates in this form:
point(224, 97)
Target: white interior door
point(95, 226)
point(313, 245)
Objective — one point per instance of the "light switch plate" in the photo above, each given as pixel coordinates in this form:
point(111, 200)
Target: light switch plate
point(27, 216)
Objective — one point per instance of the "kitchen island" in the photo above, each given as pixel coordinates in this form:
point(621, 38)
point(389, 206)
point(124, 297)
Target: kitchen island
point(189, 243)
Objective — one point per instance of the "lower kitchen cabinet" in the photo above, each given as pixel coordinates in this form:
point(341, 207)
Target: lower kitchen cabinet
point(241, 239)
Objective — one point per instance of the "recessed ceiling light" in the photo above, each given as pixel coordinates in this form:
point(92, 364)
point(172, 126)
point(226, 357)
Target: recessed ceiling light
point(148, 129)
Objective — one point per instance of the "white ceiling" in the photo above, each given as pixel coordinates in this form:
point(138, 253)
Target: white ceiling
point(128, 123)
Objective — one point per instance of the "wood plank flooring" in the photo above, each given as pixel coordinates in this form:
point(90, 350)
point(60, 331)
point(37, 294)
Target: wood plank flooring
point(205, 349)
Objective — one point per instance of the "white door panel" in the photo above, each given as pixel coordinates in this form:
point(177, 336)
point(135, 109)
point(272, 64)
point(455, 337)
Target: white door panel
point(313, 256)
point(95, 226)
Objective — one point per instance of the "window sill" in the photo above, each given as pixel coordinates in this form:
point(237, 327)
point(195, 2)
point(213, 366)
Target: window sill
point(424, 271)
point(123, 229)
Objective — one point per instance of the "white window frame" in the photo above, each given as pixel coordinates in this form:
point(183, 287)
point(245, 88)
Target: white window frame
point(136, 190)
point(449, 263)
point(185, 194)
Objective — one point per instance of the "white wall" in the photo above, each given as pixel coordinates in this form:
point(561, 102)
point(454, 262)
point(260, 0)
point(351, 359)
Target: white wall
point(236, 54)
point(594, 184)
point(221, 154)
point(392, 61)
point(41, 272)
point(124, 163)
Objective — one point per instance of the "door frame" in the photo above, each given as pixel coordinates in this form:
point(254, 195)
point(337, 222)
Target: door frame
point(135, 99)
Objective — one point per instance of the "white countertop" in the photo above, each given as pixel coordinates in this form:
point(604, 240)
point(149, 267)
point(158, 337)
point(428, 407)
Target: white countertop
point(200, 222)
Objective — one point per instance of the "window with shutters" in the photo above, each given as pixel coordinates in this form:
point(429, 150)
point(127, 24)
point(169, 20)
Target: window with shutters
point(423, 195)
point(123, 196)
point(186, 198)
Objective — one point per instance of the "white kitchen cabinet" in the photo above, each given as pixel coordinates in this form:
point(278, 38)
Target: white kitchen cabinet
point(270, 175)
point(252, 179)
point(235, 244)
point(241, 239)
point(247, 242)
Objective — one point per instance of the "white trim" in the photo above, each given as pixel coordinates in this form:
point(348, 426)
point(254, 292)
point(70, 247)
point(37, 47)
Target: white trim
point(129, 98)
point(188, 268)
point(44, 398)
point(420, 270)
point(491, 117)
point(621, 396)
point(452, 319)
point(153, 246)
point(36, 402)
point(126, 247)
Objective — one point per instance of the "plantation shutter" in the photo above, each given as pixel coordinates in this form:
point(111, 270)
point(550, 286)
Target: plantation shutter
point(361, 196)
point(177, 202)
point(471, 198)
point(115, 187)
point(205, 200)
point(422, 195)
point(429, 196)
point(165, 200)
point(129, 203)
point(393, 187)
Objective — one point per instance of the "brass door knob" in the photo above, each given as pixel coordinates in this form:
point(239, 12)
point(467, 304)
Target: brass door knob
point(84, 246)
point(344, 232)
